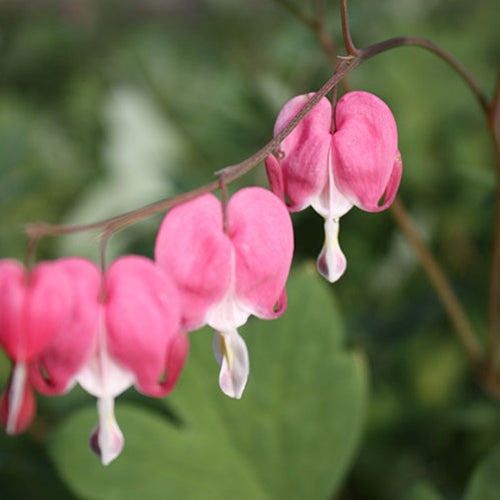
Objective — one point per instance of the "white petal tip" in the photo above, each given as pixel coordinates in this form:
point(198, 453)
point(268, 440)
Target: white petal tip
point(232, 355)
point(331, 261)
point(106, 440)
point(111, 449)
point(229, 386)
point(331, 267)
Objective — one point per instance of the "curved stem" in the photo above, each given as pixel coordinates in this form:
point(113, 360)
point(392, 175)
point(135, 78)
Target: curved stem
point(230, 173)
point(346, 32)
point(377, 48)
point(120, 221)
point(235, 171)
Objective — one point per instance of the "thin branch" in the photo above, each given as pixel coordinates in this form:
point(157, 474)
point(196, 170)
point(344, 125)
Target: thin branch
point(230, 173)
point(235, 171)
point(116, 223)
point(346, 31)
point(391, 43)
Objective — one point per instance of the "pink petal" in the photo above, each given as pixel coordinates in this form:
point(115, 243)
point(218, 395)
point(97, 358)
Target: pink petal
point(33, 307)
point(192, 248)
point(364, 150)
point(261, 232)
point(393, 184)
point(275, 176)
point(176, 356)
point(56, 369)
point(142, 321)
point(303, 154)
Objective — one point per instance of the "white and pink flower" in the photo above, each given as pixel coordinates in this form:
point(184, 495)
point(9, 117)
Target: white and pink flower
point(228, 263)
point(356, 162)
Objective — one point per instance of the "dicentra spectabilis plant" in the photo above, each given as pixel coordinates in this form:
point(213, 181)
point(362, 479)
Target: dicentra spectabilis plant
point(110, 326)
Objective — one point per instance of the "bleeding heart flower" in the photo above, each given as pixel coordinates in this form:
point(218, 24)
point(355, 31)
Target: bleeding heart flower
point(356, 164)
point(138, 342)
point(34, 307)
point(228, 264)
point(124, 332)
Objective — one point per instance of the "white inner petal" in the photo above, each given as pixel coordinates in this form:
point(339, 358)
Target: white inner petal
point(331, 203)
point(102, 376)
point(109, 436)
point(16, 395)
point(229, 313)
point(331, 261)
point(232, 355)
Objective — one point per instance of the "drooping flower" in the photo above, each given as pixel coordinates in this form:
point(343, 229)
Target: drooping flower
point(35, 306)
point(125, 331)
point(228, 263)
point(358, 164)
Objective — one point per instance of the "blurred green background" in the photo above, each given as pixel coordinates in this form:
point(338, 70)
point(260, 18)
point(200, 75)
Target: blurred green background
point(106, 106)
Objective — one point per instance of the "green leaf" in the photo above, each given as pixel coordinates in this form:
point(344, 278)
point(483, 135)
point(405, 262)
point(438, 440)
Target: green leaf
point(485, 481)
point(293, 434)
point(25, 471)
point(422, 491)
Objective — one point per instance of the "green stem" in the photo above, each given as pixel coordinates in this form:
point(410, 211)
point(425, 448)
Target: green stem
point(346, 32)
